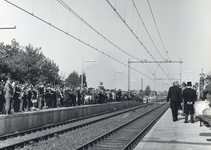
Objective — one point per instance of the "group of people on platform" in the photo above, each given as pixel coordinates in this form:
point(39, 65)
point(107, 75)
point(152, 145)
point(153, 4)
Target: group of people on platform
point(26, 97)
point(186, 94)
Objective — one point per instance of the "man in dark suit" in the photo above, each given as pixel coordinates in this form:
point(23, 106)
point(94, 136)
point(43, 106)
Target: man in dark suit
point(175, 98)
point(17, 91)
point(189, 95)
point(8, 95)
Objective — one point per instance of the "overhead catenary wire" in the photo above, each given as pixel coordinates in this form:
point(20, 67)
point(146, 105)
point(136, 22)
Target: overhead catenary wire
point(146, 29)
point(86, 23)
point(160, 36)
point(149, 34)
point(158, 30)
point(137, 38)
point(87, 44)
point(148, 68)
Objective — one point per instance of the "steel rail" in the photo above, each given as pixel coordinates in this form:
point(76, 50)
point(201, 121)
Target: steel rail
point(56, 133)
point(99, 138)
point(136, 139)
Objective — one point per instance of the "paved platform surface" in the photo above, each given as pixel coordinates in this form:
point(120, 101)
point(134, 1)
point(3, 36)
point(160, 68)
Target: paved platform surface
point(169, 135)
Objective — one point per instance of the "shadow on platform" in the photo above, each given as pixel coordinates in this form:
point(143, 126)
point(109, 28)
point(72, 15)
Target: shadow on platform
point(205, 134)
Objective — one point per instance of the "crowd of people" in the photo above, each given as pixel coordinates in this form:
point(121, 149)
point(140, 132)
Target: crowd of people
point(16, 97)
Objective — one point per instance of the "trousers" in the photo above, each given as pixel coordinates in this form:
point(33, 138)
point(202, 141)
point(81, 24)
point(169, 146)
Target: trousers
point(8, 105)
point(174, 109)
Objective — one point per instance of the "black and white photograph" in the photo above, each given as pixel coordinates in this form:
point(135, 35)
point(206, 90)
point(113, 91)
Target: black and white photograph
point(105, 74)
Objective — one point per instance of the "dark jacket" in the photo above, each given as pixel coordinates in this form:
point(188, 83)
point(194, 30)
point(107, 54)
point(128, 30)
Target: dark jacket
point(174, 95)
point(189, 95)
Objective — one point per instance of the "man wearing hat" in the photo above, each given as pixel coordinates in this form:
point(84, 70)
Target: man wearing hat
point(189, 95)
point(175, 98)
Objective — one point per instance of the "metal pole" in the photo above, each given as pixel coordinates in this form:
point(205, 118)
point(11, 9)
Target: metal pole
point(193, 77)
point(82, 73)
point(180, 72)
point(154, 82)
point(114, 79)
point(82, 82)
point(128, 74)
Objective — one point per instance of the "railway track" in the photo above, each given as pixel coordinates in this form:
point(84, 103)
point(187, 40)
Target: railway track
point(43, 133)
point(127, 135)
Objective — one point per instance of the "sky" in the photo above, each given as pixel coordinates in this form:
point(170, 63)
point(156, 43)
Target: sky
point(112, 34)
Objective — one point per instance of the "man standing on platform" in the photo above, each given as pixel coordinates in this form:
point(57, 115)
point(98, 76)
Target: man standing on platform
point(175, 98)
point(189, 95)
point(8, 95)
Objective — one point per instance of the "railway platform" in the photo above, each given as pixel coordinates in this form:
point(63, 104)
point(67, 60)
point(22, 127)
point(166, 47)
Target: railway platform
point(24, 121)
point(169, 135)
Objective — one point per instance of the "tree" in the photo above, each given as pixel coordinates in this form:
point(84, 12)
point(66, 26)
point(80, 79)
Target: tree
point(50, 71)
point(141, 93)
point(147, 91)
point(33, 64)
point(27, 64)
point(4, 68)
point(11, 60)
point(73, 79)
